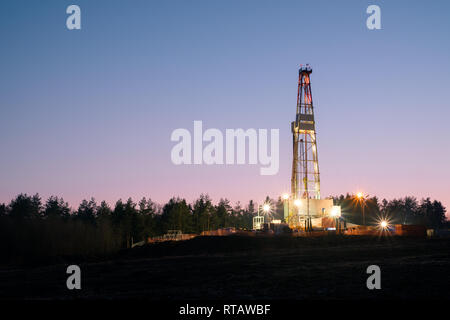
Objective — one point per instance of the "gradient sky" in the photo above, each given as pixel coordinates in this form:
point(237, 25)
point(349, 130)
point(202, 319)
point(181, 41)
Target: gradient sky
point(90, 112)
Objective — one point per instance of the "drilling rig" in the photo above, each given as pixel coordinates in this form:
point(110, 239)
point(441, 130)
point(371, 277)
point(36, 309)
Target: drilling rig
point(305, 209)
point(305, 163)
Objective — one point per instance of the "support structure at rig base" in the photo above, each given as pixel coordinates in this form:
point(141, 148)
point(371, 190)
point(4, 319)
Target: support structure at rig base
point(296, 213)
point(305, 209)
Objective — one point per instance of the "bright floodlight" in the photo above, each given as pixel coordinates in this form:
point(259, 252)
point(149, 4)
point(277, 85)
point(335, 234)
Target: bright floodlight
point(266, 207)
point(285, 196)
point(333, 213)
point(384, 224)
point(359, 195)
point(297, 202)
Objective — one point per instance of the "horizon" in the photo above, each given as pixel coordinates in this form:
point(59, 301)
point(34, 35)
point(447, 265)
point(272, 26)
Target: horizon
point(244, 204)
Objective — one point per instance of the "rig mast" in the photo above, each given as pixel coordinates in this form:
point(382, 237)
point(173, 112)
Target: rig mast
point(304, 209)
point(305, 181)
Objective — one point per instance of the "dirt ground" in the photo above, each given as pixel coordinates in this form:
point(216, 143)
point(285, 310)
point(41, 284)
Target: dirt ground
point(248, 268)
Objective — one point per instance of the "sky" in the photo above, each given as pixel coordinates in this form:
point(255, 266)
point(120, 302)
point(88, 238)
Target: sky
point(89, 113)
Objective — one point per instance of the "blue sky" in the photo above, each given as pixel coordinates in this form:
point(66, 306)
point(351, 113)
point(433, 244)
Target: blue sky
point(89, 112)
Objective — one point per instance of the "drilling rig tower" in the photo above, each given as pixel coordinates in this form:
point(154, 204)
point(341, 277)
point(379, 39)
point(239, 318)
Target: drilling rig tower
point(306, 209)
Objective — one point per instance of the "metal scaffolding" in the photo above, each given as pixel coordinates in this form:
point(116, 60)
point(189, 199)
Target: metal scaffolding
point(305, 181)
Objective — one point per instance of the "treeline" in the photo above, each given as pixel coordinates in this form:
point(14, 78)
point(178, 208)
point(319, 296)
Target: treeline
point(407, 210)
point(31, 229)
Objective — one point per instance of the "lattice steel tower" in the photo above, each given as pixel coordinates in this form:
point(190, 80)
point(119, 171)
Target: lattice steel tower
point(305, 181)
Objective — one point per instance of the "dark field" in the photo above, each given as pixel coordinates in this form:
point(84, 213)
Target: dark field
point(248, 268)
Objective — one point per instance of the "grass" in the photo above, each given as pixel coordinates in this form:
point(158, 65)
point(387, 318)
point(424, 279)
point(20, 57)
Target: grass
point(237, 267)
